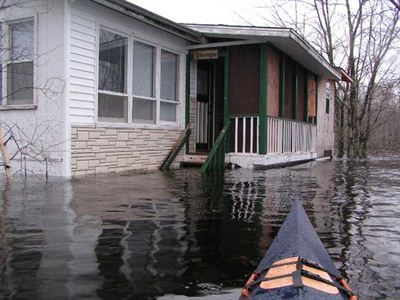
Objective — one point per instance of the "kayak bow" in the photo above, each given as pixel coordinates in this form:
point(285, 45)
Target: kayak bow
point(297, 266)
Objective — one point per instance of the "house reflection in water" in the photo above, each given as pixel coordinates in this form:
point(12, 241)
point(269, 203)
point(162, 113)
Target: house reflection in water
point(149, 235)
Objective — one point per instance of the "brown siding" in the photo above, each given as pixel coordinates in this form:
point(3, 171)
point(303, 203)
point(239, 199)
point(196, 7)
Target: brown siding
point(244, 79)
point(289, 66)
point(300, 94)
point(312, 86)
point(273, 82)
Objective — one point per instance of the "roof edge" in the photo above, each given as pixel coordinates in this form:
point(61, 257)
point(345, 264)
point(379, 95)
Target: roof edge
point(143, 15)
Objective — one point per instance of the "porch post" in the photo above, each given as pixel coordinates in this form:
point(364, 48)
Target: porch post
point(226, 87)
point(187, 102)
point(262, 136)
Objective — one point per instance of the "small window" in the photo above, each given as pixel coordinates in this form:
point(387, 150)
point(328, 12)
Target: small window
point(144, 102)
point(169, 79)
point(112, 98)
point(20, 65)
point(327, 105)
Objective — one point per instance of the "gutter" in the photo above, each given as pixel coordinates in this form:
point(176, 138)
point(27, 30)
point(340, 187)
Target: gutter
point(152, 19)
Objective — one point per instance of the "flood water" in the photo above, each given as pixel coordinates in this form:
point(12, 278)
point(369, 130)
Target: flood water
point(177, 235)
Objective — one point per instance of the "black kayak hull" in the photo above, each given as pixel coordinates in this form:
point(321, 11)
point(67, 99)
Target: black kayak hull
point(296, 238)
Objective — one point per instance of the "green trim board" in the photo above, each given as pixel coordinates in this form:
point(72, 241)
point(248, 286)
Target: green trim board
point(262, 137)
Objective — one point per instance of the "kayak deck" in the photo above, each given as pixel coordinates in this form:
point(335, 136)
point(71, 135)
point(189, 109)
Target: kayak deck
point(296, 265)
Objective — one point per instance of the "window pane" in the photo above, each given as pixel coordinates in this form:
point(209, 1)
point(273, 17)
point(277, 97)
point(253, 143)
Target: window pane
point(112, 62)
point(143, 69)
point(22, 41)
point(112, 108)
point(169, 67)
point(144, 111)
point(20, 83)
point(168, 111)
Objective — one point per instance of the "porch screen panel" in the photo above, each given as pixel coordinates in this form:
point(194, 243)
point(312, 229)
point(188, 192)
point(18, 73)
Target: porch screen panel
point(244, 80)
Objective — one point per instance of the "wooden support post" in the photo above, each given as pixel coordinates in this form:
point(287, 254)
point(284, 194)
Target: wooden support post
point(226, 98)
point(263, 101)
point(5, 156)
point(226, 87)
point(187, 104)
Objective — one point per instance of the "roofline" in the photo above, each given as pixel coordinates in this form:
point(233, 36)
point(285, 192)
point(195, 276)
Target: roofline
point(150, 18)
point(270, 31)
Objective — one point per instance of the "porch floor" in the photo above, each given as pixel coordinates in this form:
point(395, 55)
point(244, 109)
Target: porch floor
point(258, 161)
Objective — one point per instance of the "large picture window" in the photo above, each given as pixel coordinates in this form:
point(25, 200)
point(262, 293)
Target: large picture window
point(169, 79)
point(138, 78)
point(112, 97)
point(19, 65)
point(144, 101)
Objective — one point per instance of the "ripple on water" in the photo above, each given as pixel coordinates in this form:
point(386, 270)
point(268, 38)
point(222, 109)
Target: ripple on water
point(179, 235)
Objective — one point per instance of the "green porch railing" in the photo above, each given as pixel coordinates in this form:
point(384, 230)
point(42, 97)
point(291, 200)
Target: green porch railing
point(175, 150)
point(216, 158)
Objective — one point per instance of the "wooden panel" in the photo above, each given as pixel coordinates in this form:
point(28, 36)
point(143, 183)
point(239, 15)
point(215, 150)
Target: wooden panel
point(312, 86)
point(273, 82)
point(244, 78)
point(289, 76)
point(300, 94)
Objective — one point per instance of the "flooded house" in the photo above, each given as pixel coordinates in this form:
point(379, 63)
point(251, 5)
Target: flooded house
point(105, 86)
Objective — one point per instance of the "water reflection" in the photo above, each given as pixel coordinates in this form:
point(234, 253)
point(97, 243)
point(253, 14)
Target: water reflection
point(151, 235)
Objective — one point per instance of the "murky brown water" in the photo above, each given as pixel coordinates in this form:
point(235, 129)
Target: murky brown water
point(161, 235)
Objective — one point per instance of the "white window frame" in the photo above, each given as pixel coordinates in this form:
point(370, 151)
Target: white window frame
point(5, 29)
point(111, 93)
point(129, 85)
point(178, 87)
point(155, 81)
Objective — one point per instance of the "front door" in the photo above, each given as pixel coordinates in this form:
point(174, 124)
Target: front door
point(204, 106)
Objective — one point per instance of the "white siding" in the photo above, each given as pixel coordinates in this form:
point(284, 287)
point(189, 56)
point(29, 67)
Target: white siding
point(85, 19)
point(82, 68)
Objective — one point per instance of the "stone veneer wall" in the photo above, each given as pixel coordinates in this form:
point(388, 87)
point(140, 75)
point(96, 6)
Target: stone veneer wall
point(105, 149)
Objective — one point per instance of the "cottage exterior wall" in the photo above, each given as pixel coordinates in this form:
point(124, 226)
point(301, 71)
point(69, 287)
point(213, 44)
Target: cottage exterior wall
point(42, 124)
point(325, 121)
point(99, 147)
point(105, 149)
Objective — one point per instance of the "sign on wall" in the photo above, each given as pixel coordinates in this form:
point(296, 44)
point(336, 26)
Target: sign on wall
point(205, 54)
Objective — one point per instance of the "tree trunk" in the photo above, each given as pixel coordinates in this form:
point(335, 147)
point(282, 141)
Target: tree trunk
point(5, 156)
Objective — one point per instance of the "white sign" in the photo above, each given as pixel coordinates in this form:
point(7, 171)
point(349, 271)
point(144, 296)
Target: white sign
point(205, 54)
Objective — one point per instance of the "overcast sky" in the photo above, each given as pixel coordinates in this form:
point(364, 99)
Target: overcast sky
point(233, 12)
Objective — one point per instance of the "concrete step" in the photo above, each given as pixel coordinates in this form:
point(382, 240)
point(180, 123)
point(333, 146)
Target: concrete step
point(194, 160)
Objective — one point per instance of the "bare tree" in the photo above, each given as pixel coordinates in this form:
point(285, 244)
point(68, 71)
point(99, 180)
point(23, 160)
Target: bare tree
point(36, 137)
point(361, 35)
